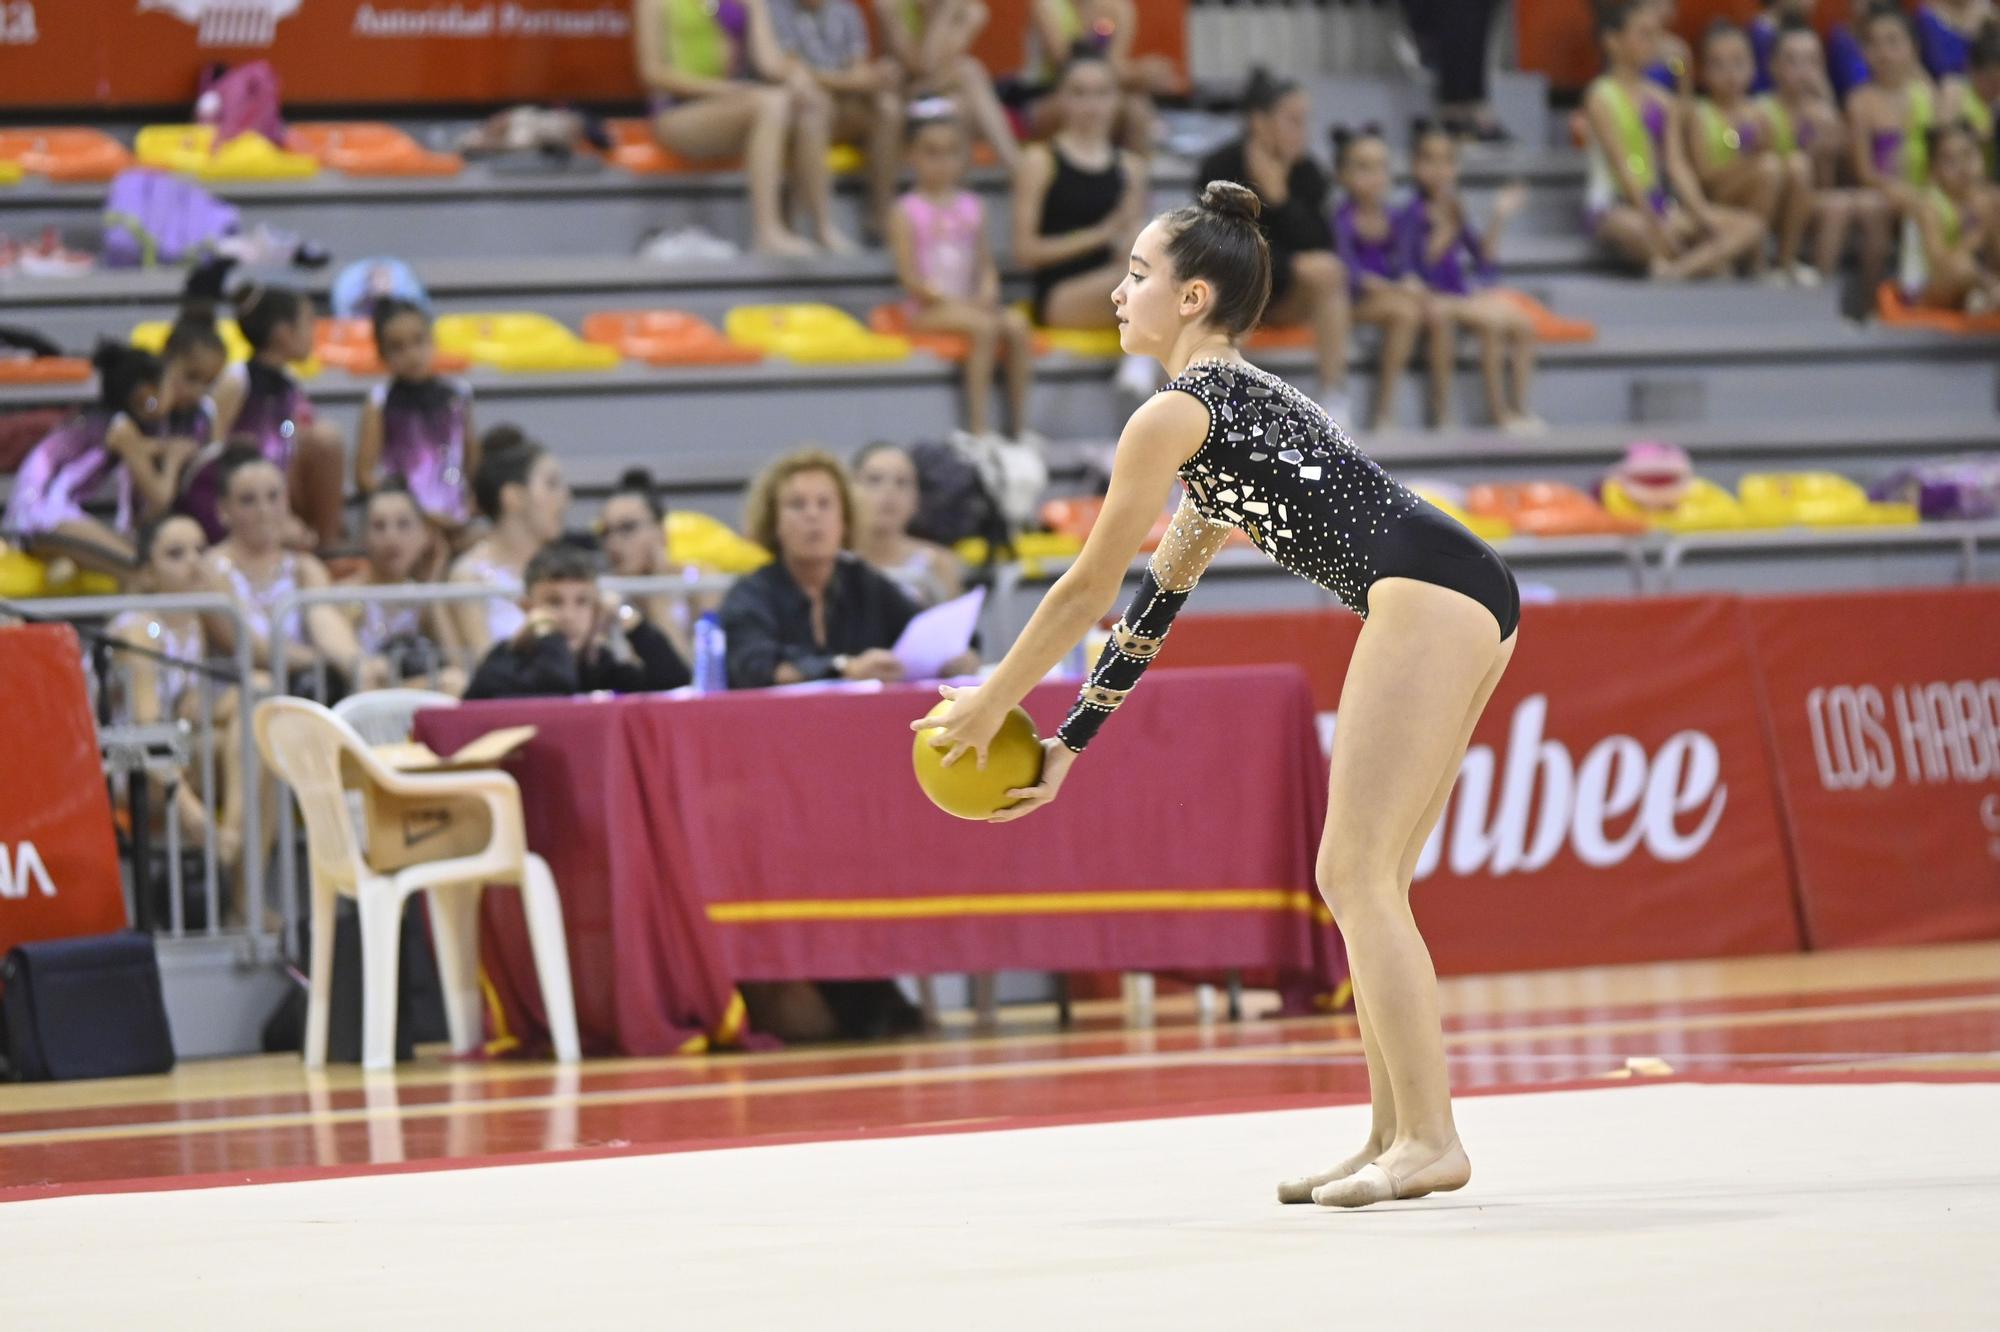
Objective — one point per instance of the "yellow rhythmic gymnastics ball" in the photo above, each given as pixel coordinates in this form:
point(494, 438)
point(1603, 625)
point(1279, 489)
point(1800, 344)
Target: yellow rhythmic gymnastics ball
point(1013, 760)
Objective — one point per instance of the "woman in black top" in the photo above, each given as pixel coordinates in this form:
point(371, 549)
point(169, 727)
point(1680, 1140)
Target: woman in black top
point(1078, 203)
point(1308, 281)
point(1254, 454)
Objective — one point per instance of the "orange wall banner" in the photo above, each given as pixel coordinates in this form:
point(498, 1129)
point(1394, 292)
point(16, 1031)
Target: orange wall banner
point(1616, 804)
point(57, 54)
point(1885, 715)
point(58, 858)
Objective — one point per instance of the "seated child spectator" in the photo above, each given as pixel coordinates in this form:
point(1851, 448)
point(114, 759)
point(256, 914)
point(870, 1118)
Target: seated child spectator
point(418, 642)
point(1805, 120)
point(253, 565)
point(570, 642)
point(1058, 29)
point(632, 530)
point(112, 452)
point(1308, 281)
point(1949, 230)
point(1672, 69)
point(1891, 115)
point(816, 612)
point(520, 489)
point(951, 283)
point(1733, 149)
point(1456, 263)
point(1372, 242)
point(418, 425)
point(1079, 202)
point(885, 494)
point(932, 41)
point(1773, 17)
point(259, 402)
point(1642, 197)
point(722, 88)
point(862, 97)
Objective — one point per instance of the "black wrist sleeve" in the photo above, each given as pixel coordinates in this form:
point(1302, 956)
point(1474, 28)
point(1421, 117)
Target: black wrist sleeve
point(1135, 640)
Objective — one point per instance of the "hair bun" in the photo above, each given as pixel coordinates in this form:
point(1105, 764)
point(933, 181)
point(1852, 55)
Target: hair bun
point(1229, 199)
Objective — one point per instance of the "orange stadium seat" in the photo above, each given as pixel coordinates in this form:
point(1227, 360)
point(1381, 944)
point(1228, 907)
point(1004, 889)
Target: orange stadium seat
point(65, 154)
point(44, 370)
point(666, 337)
point(1280, 337)
point(350, 344)
point(1548, 325)
point(894, 320)
point(634, 148)
point(370, 148)
point(1896, 312)
point(1548, 508)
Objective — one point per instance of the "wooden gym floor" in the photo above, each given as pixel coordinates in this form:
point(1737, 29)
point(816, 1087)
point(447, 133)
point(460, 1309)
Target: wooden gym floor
point(1703, 1138)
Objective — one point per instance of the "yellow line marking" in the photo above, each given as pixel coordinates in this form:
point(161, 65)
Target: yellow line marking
point(1013, 904)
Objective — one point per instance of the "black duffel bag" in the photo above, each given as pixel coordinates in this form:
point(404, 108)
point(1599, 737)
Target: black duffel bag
point(84, 1008)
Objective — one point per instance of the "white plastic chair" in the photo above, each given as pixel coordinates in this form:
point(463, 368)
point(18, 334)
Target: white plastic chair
point(384, 716)
point(306, 744)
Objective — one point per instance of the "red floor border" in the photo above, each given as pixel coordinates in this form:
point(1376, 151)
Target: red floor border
point(996, 1124)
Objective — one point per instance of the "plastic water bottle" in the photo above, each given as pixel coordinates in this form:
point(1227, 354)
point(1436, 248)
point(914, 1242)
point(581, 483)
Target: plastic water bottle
point(711, 675)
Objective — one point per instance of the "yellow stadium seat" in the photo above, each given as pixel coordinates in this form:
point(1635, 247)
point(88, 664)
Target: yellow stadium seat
point(812, 334)
point(1706, 507)
point(520, 342)
point(152, 336)
point(1816, 499)
point(10, 173)
point(21, 575)
point(844, 159)
point(1075, 341)
point(248, 156)
point(700, 541)
point(1484, 526)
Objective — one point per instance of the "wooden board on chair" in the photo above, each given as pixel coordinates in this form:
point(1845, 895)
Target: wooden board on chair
point(405, 830)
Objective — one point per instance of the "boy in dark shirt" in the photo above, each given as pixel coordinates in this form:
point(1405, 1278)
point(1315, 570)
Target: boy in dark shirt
point(564, 647)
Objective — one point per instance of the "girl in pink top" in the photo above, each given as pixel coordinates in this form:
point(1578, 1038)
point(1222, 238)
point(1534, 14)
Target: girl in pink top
point(938, 234)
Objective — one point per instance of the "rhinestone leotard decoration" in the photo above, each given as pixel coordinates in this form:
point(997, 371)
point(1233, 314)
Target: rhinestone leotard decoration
point(1277, 467)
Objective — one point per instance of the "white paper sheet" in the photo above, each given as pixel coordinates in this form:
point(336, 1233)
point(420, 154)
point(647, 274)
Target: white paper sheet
point(939, 634)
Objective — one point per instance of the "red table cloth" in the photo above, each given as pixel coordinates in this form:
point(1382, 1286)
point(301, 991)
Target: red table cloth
point(700, 842)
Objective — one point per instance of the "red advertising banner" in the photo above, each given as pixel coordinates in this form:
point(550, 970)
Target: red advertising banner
point(58, 859)
point(96, 53)
point(1616, 804)
point(1884, 709)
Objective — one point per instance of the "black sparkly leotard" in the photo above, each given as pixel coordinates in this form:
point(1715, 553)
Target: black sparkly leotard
point(1275, 466)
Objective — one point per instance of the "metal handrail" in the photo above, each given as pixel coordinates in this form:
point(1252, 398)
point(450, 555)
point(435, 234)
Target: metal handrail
point(201, 603)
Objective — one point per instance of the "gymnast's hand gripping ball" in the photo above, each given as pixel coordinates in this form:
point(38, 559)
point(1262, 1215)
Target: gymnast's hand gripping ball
point(1013, 761)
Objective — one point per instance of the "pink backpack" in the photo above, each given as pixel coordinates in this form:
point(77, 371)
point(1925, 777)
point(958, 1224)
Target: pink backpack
point(240, 99)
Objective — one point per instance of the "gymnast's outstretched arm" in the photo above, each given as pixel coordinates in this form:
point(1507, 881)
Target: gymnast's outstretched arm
point(1161, 436)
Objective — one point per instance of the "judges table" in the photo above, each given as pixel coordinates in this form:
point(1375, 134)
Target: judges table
point(704, 841)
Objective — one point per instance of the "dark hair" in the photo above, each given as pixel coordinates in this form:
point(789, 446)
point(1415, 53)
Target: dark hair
point(1719, 29)
point(202, 292)
point(1218, 239)
point(236, 458)
point(1344, 137)
point(395, 486)
point(262, 310)
point(638, 483)
point(1265, 90)
point(1081, 53)
point(120, 372)
point(1935, 135)
point(1877, 13)
point(873, 447)
point(506, 458)
point(193, 331)
point(1986, 47)
point(559, 562)
point(1425, 127)
point(1792, 27)
point(148, 535)
point(1612, 15)
point(389, 309)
